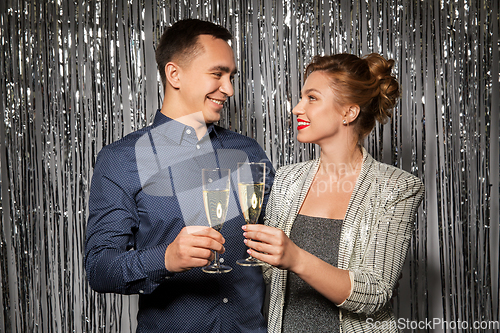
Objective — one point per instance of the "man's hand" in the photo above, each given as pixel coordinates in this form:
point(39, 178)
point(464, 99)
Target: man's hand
point(193, 247)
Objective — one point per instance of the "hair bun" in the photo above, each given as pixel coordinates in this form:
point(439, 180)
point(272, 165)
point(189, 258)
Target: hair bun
point(389, 92)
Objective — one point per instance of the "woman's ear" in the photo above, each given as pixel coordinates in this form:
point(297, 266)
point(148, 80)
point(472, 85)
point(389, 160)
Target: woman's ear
point(352, 113)
point(172, 74)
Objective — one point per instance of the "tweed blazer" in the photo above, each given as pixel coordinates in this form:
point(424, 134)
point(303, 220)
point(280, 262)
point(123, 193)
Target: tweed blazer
point(375, 236)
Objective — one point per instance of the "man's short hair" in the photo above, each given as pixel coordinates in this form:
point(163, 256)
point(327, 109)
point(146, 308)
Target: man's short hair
point(180, 42)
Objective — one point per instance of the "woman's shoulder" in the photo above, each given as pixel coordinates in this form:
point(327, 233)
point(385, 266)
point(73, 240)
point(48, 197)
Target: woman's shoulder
point(288, 177)
point(389, 174)
point(294, 170)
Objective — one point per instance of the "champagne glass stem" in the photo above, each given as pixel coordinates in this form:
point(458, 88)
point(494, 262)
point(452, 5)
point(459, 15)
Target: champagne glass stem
point(216, 261)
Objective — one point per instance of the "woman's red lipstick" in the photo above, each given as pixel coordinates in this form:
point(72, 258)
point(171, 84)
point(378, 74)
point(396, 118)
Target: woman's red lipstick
point(302, 124)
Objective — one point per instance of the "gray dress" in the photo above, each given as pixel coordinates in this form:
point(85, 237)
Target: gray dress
point(306, 310)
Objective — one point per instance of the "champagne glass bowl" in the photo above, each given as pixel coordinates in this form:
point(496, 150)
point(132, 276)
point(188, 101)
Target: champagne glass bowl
point(216, 189)
point(251, 185)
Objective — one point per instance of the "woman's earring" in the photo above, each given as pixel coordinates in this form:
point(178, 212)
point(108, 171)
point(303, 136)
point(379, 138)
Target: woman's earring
point(344, 122)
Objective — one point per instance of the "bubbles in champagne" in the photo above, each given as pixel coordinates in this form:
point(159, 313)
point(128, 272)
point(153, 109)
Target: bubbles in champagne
point(251, 197)
point(216, 203)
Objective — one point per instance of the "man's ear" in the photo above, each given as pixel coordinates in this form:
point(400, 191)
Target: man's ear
point(352, 113)
point(172, 74)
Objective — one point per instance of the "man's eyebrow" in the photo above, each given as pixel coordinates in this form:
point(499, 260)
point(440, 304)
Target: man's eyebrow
point(224, 69)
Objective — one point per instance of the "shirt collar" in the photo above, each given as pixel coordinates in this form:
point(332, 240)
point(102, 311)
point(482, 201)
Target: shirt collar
point(174, 130)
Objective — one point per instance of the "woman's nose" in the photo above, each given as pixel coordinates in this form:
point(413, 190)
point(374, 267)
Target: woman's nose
point(298, 109)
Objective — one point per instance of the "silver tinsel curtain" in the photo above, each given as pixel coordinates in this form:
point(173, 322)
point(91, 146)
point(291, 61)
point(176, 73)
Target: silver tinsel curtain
point(77, 75)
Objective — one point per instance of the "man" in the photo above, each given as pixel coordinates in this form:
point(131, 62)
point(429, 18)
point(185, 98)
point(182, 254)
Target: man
point(146, 207)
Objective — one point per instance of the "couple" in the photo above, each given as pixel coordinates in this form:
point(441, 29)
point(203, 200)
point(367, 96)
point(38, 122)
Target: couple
point(336, 230)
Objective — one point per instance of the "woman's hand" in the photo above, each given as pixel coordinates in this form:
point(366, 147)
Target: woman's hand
point(272, 246)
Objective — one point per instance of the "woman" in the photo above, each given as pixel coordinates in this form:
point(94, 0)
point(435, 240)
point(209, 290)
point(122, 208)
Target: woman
point(338, 228)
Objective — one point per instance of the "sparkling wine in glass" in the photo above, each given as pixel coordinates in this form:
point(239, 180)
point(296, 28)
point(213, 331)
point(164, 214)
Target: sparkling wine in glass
point(251, 184)
point(216, 185)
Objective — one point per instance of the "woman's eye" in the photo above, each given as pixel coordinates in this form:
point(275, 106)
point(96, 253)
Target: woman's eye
point(311, 98)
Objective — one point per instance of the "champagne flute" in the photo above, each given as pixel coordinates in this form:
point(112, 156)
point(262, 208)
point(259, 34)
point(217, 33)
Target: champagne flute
point(216, 183)
point(251, 184)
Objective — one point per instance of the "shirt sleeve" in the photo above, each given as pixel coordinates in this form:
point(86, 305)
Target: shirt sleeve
point(385, 253)
point(111, 261)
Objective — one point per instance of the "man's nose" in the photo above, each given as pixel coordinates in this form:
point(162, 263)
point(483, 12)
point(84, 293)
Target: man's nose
point(227, 87)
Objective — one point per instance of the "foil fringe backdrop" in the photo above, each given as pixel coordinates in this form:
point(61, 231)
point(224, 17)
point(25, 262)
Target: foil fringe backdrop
point(77, 75)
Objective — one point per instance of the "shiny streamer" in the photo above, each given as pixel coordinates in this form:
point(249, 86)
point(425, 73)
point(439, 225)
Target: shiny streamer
point(77, 75)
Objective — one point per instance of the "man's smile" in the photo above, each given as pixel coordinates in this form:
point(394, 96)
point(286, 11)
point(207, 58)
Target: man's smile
point(217, 101)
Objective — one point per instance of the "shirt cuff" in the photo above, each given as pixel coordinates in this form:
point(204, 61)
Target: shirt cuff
point(153, 261)
point(351, 277)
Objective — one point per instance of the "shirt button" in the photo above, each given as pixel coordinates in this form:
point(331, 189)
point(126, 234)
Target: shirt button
point(225, 300)
point(221, 259)
point(141, 291)
point(198, 147)
point(188, 131)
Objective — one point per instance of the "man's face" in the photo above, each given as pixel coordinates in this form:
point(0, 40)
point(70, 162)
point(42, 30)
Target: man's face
point(206, 82)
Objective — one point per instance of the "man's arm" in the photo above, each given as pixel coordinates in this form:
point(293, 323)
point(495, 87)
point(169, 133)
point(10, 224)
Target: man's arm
point(112, 261)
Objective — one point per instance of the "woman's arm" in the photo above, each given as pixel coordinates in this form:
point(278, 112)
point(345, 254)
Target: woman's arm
point(381, 264)
point(379, 257)
point(272, 246)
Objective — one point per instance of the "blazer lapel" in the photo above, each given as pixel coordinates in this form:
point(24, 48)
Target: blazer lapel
point(302, 185)
point(354, 213)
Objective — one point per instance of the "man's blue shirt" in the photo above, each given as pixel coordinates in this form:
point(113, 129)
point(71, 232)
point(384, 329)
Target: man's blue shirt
point(145, 188)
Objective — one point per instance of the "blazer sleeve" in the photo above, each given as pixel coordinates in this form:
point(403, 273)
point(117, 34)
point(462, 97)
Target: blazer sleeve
point(385, 250)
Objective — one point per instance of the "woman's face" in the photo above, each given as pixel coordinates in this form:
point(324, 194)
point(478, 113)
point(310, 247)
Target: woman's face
point(319, 115)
